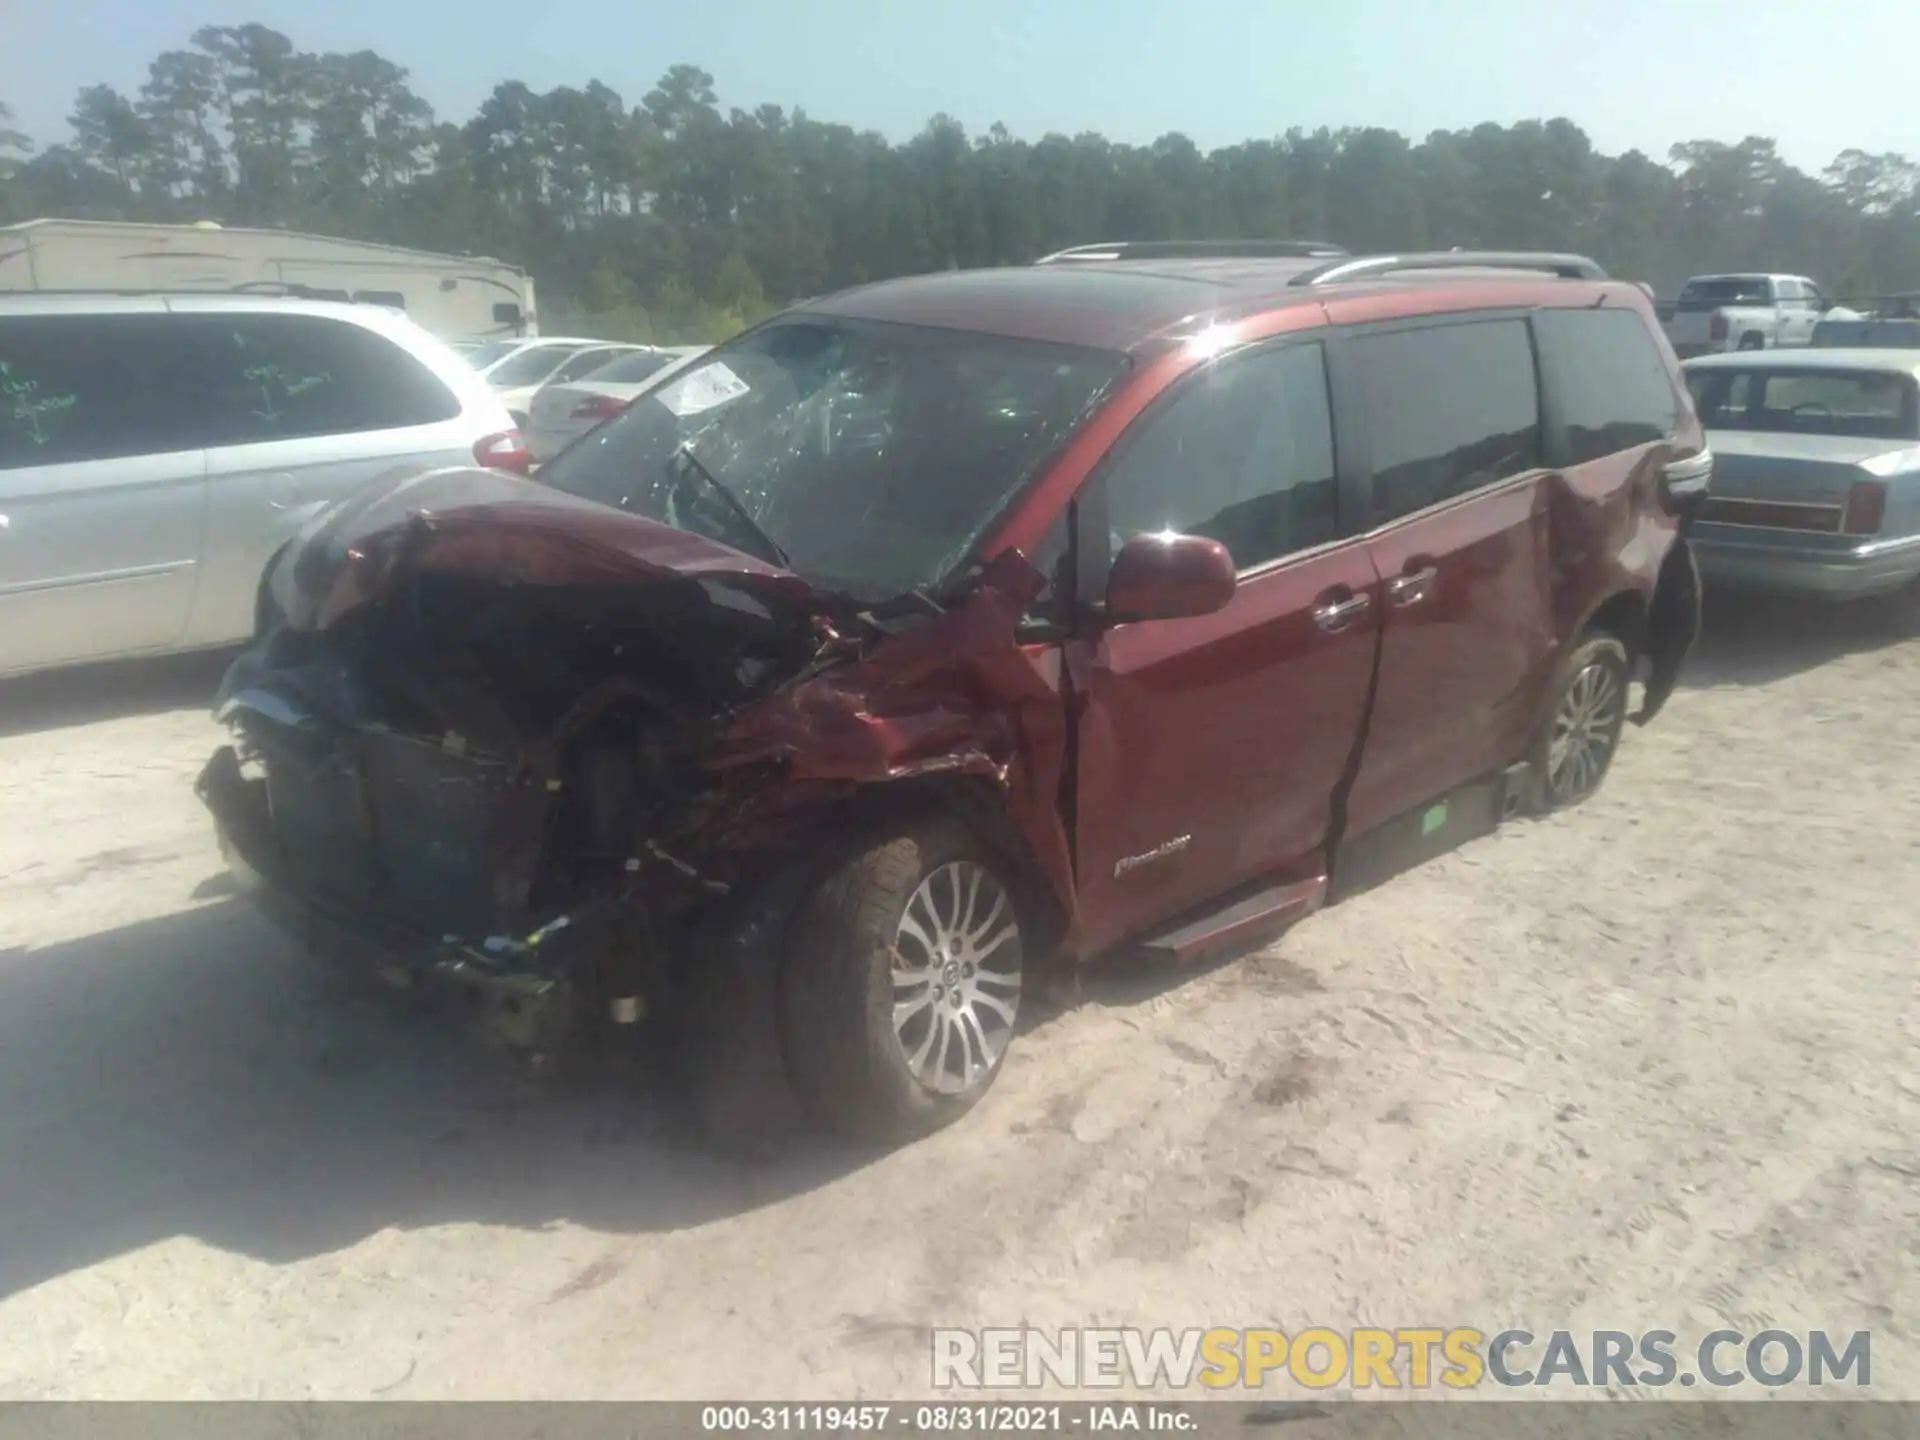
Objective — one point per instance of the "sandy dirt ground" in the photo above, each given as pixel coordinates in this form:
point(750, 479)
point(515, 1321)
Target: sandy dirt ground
point(1648, 1065)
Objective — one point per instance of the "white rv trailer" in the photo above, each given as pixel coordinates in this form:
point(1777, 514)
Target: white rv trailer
point(457, 297)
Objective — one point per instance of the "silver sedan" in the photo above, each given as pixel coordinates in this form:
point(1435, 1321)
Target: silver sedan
point(1816, 477)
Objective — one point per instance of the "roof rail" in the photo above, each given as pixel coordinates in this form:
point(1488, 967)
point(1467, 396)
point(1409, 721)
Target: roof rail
point(1198, 250)
point(1566, 267)
point(257, 289)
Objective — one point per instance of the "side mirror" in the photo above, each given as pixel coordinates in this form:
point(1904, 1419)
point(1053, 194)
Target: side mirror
point(1169, 577)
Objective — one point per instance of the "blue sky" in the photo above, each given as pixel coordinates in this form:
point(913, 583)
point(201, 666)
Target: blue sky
point(1633, 73)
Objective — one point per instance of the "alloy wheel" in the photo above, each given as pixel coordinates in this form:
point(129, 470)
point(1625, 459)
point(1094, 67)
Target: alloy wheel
point(956, 977)
point(1586, 727)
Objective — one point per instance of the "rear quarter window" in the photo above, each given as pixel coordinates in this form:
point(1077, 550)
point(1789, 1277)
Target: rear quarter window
point(1609, 387)
point(287, 377)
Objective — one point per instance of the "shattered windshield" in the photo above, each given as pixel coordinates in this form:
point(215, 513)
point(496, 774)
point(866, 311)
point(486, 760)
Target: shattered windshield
point(868, 457)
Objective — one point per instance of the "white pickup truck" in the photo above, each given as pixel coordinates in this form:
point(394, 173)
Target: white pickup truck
point(1747, 312)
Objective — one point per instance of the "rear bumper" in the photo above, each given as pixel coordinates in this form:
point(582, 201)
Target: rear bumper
point(1747, 558)
point(530, 1002)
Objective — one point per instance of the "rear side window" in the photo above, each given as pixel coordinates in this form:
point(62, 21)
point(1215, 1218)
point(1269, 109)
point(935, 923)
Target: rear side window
point(90, 387)
point(1610, 388)
point(1450, 408)
point(288, 377)
point(1241, 453)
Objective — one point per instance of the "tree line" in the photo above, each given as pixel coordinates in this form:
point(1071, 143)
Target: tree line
point(673, 220)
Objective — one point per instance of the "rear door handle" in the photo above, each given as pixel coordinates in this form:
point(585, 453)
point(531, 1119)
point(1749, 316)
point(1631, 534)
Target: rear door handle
point(1339, 614)
point(1412, 587)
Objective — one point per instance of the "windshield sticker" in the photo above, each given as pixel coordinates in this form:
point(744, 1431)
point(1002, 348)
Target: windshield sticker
point(39, 418)
point(707, 387)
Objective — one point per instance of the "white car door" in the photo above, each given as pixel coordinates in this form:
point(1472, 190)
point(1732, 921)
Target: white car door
point(101, 488)
point(1798, 312)
point(310, 408)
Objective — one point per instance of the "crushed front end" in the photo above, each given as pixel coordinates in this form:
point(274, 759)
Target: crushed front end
point(533, 752)
point(473, 745)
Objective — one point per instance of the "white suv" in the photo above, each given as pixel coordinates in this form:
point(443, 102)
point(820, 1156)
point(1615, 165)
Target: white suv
point(155, 451)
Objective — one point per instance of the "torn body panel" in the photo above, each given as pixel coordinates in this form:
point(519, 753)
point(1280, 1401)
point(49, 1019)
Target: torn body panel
point(1673, 627)
point(489, 721)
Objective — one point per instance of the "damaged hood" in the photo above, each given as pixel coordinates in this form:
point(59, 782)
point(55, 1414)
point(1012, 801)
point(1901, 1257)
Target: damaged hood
point(513, 530)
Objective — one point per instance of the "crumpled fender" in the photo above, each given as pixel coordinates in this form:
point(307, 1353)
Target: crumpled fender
point(958, 695)
point(1673, 627)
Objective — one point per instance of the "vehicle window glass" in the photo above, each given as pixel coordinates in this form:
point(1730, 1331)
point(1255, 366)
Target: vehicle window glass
point(1053, 605)
point(484, 354)
point(89, 387)
point(529, 367)
point(1788, 290)
point(875, 456)
point(284, 377)
point(1609, 384)
point(1450, 408)
point(1241, 453)
point(1867, 404)
point(631, 369)
point(1711, 294)
point(585, 363)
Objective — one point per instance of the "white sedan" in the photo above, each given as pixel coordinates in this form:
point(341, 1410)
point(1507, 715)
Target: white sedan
point(563, 411)
point(518, 378)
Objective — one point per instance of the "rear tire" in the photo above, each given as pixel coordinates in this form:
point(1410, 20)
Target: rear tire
point(1580, 730)
point(901, 986)
point(1752, 340)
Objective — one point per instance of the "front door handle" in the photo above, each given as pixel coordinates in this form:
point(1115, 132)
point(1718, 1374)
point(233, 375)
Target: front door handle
point(1412, 587)
point(1339, 614)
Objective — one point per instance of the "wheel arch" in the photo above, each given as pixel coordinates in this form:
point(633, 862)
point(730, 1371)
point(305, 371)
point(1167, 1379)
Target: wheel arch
point(1623, 615)
point(876, 810)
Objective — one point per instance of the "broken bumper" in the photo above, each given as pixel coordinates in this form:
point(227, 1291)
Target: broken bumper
point(520, 993)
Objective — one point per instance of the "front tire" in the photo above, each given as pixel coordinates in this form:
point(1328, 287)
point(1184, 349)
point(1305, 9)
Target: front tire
point(901, 987)
point(1580, 730)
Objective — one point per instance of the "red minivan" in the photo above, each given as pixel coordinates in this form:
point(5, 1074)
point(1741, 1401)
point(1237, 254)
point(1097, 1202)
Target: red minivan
point(948, 628)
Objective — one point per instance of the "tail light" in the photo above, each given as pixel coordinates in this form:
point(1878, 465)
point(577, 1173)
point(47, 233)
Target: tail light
point(1866, 507)
point(599, 407)
point(1717, 326)
point(503, 451)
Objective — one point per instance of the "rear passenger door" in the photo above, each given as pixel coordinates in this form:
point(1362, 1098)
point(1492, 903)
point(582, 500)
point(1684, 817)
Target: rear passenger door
point(1210, 749)
point(101, 478)
point(305, 409)
point(1449, 422)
